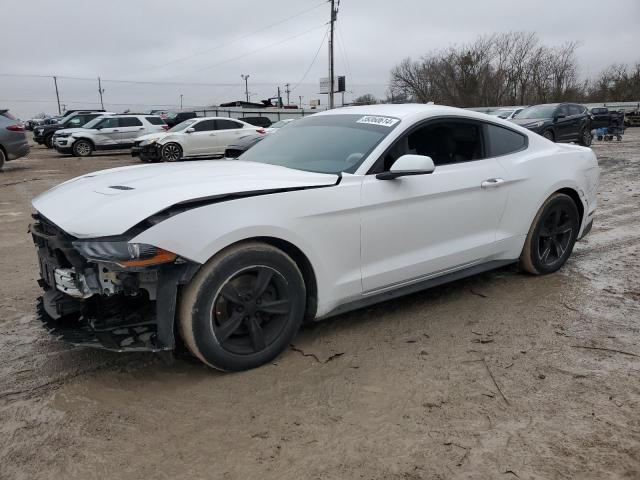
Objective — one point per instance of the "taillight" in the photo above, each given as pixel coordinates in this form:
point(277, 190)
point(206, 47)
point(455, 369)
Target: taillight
point(165, 127)
point(16, 128)
point(261, 130)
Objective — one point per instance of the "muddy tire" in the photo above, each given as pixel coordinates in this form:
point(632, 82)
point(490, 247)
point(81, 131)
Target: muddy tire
point(82, 148)
point(243, 307)
point(171, 152)
point(552, 236)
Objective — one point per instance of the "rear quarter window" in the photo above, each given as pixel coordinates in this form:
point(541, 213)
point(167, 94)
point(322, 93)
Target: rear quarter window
point(155, 120)
point(503, 141)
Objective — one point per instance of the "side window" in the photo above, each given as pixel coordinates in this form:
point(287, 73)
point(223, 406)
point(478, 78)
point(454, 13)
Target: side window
point(503, 141)
point(205, 126)
point(563, 110)
point(446, 141)
point(108, 123)
point(227, 125)
point(130, 122)
point(155, 120)
point(576, 109)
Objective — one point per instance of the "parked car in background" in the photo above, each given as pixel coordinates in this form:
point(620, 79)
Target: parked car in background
point(195, 138)
point(558, 122)
point(13, 141)
point(507, 113)
point(264, 122)
point(43, 134)
point(174, 118)
point(602, 117)
point(107, 132)
point(340, 210)
point(279, 124)
point(242, 144)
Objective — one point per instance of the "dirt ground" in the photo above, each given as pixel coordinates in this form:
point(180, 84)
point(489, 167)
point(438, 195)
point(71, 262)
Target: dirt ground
point(502, 375)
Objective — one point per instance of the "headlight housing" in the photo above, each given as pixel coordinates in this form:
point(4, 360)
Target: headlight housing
point(62, 135)
point(124, 254)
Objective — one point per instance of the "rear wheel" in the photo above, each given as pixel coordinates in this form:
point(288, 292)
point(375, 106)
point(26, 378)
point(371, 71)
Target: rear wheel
point(171, 152)
point(552, 236)
point(548, 134)
point(243, 307)
point(82, 148)
point(585, 137)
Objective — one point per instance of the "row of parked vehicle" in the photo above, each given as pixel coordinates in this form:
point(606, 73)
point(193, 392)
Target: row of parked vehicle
point(564, 122)
point(151, 137)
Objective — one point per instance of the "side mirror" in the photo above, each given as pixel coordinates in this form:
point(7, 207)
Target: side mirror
point(99, 127)
point(408, 165)
point(190, 130)
point(558, 117)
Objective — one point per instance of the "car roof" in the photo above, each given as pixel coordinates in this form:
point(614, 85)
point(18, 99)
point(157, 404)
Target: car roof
point(406, 110)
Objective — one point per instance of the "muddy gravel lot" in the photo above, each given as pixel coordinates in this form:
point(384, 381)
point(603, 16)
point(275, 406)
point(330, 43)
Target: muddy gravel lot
point(502, 375)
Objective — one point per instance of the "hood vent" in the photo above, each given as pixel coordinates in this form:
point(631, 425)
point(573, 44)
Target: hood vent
point(121, 187)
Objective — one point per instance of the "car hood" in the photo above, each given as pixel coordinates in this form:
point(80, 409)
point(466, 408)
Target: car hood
point(528, 121)
point(110, 202)
point(153, 136)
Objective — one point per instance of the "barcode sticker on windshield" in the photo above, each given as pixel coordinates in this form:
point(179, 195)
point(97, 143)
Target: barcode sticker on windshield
point(382, 121)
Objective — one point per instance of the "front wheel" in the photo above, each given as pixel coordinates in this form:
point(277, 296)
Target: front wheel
point(171, 152)
point(2, 158)
point(82, 148)
point(48, 141)
point(243, 308)
point(552, 236)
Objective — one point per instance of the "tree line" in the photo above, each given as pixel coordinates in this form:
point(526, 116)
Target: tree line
point(513, 68)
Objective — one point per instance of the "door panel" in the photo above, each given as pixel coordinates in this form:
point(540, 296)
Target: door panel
point(109, 133)
point(203, 140)
point(419, 225)
point(130, 129)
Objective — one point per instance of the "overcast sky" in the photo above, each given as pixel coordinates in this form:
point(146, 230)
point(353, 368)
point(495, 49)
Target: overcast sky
point(214, 42)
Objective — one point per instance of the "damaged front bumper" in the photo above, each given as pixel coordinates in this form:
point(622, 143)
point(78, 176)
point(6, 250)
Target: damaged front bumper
point(102, 305)
point(147, 152)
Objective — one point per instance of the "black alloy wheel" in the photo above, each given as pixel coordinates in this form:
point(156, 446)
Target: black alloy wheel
point(555, 235)
point(552, 235)
point(251, 310)
point(243, 307)
point(585, 137)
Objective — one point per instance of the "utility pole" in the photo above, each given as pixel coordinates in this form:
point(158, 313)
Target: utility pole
point(181, 101)
point(246, 86)
point(300, 104)
point(334, 15)
point(55, 82)
point(287, 91)
point(100, 91)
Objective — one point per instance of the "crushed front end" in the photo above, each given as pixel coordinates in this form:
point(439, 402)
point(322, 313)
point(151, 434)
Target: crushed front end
point(147, 151)
point(107, 292)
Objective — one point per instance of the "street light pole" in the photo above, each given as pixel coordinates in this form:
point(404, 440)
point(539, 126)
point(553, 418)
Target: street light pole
point(180, 100)
point(246, 86)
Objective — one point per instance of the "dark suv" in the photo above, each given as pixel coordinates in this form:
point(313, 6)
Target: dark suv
point(43, 134)
point(558, 122)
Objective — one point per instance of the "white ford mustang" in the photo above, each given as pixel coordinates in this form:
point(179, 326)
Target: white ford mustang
point(339, 210)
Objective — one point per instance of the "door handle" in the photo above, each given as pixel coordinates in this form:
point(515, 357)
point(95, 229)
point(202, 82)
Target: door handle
point(141, 128)
point(212, 134)
point(492, 183)
point(116, 130)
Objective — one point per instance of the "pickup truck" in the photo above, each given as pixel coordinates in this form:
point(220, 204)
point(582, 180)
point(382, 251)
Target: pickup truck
point(602, 117)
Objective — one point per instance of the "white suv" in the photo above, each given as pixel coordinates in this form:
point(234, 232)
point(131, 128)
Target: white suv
point(200, 137)
point(107, 132)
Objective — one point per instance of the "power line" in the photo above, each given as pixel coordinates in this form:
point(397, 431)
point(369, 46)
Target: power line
point(313, 61)
point(252, 52)
point(242, 37)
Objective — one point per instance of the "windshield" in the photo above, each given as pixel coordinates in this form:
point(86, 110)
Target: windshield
point(324, 143)
point(539, 111)
point(182, 125)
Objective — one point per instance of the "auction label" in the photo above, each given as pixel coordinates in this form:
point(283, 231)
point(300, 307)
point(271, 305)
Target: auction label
point(376, 120)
